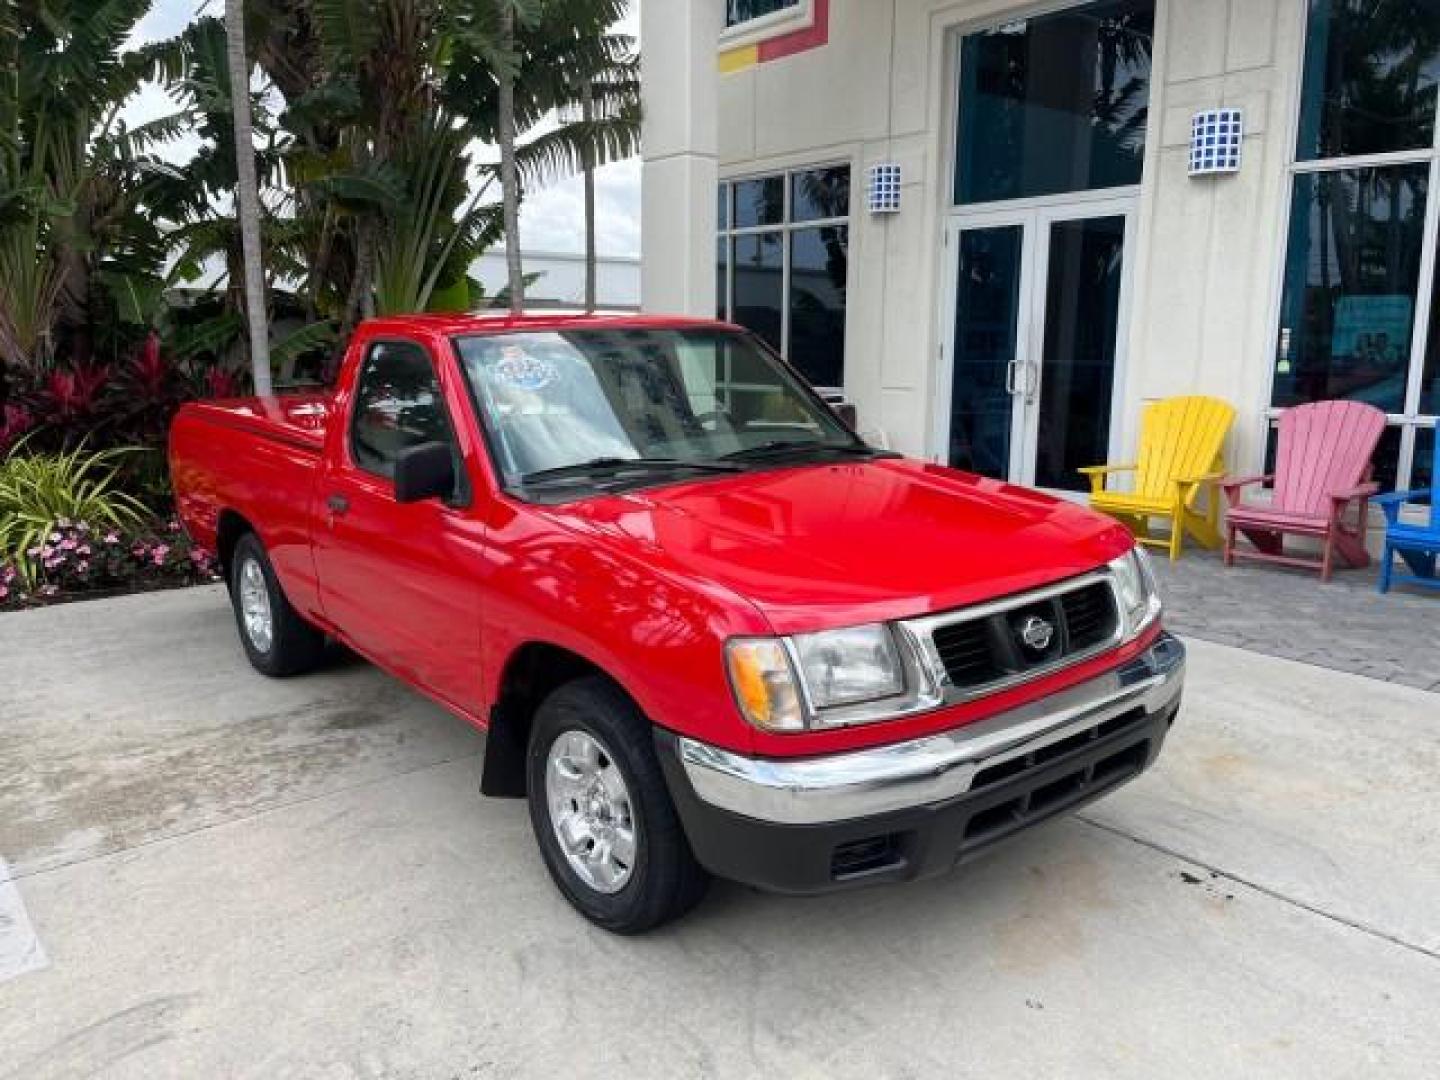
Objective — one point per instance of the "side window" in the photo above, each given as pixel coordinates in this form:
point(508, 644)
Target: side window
point(397, 405)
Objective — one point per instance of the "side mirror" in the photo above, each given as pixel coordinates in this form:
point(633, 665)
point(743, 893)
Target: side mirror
point(424, 472)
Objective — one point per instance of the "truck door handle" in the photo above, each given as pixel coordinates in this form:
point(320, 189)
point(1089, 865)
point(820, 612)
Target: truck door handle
point(338, 504)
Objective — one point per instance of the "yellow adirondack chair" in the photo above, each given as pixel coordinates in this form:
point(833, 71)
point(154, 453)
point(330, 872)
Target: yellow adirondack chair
point(1181, 441)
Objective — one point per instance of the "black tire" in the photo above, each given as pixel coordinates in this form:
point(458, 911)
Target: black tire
point(665, 881)
point(295, 646)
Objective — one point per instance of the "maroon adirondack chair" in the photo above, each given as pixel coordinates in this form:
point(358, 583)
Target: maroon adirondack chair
point(1322, 471)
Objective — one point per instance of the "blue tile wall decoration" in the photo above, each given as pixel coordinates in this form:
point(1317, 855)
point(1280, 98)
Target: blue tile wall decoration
point(882, 194)
point(1216, 137)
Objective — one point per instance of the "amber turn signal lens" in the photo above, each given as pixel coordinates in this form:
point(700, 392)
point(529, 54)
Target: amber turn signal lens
point(764, 684)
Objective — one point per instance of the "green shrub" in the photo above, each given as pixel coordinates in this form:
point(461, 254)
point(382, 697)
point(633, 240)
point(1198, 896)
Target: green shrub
point(39, 492)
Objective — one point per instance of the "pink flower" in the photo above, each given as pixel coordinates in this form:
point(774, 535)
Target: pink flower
point(44, 551)
point(83, 549)
point(68, 544)
point(159, 553)
point(54, 537)
point(4, 591)
point(112, 537)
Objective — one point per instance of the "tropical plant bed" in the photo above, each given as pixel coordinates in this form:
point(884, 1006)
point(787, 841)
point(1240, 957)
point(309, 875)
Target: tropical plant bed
point(76, 561)
point(68, 530)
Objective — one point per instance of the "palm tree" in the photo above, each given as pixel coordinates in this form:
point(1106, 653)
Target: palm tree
point(524, 63)
point(247, 194)
point(509, 172)
point(600, 124)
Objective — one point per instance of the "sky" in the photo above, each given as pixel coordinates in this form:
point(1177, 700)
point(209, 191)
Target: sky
point(552, 219)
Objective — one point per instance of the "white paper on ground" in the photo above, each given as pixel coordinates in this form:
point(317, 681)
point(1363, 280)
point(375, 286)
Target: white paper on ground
point(20, 949)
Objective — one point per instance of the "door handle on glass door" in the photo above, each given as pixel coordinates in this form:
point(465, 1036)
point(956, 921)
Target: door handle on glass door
point(1010, 370)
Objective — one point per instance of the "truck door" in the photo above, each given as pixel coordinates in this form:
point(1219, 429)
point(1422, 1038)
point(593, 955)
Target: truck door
point(400, 581)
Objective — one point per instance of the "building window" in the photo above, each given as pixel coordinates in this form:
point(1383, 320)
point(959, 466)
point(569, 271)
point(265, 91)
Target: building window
point(1055, 104)
point(782, 259)
point(743, 11)
point(1359, 317)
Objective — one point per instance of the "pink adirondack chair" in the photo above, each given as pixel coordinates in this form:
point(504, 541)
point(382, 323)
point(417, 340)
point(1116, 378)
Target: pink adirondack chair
point(1322, 470)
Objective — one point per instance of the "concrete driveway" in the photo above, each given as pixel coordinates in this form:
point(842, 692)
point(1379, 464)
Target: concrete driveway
point(214, 875)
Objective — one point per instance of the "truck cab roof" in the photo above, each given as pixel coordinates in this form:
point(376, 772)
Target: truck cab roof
point(500, 322)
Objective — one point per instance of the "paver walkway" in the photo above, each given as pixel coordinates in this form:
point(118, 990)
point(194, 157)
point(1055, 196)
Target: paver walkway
point(1345, 624)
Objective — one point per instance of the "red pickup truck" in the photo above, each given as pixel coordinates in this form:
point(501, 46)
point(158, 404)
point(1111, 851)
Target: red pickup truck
point(706, 627)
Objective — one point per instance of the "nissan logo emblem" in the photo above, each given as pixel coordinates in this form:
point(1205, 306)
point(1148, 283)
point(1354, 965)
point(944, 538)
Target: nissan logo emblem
point(1036, 633)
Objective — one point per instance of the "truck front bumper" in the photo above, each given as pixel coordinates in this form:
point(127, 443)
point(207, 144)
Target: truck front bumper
point(912, 809)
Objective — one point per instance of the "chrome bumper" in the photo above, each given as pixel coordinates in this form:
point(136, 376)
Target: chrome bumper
point(839, 787)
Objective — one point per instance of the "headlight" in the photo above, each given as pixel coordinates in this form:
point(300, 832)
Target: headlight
point(846, 667)
point(831, 679)
point(1139, 599)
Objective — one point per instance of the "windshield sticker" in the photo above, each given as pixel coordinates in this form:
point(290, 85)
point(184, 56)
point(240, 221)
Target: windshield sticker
point(519, 369)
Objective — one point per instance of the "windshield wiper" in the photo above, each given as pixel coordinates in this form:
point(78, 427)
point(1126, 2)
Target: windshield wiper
point(612, 465)
point(786, 446)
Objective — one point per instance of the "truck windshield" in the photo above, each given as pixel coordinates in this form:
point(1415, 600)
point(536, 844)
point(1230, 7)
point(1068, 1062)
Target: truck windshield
point(636, 405)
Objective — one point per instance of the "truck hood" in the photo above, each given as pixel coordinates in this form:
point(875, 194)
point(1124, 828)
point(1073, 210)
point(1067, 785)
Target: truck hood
point(820, 546)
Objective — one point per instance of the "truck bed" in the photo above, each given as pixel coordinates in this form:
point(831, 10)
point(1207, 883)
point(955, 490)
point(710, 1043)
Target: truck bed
point(299, 418)
point(258, 460)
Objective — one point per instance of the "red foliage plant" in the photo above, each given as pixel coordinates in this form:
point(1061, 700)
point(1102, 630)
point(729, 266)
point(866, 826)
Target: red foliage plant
point(71, 395)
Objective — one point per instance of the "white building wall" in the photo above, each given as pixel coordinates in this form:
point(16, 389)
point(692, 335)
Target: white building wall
point(1209, 251)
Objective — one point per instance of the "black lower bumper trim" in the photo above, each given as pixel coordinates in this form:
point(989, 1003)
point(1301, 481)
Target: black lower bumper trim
point(923, 840)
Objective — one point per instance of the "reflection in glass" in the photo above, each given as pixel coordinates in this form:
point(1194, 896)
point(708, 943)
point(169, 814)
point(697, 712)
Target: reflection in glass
point(1422, 473)
point(1082, 320)
point(1370, 74)
point(759, 202)
point(1057, 103)
point(740, 11)
point(987, 308)
point(1430, 375)
point(818, 262)
point(820, 193)
point(722, 207)
point(722, 278)
point(1350, 281)
point(759, 293)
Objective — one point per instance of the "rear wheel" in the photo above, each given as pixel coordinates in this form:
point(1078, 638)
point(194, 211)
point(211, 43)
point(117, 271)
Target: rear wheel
point(277, 641)
point(602, 814)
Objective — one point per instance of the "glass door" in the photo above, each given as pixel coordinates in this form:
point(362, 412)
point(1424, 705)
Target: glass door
point(990, 328)
point(1035, 330)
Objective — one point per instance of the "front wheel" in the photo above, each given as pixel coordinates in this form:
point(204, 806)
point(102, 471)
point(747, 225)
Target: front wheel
point(602, 814)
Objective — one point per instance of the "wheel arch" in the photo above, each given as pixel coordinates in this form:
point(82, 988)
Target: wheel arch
point(229, 528)
point(531, 673)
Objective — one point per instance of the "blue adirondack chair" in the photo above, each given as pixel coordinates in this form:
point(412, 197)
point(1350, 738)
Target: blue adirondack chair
point(1417, 544)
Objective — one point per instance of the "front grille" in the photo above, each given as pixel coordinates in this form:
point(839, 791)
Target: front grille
point(1027, 637)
